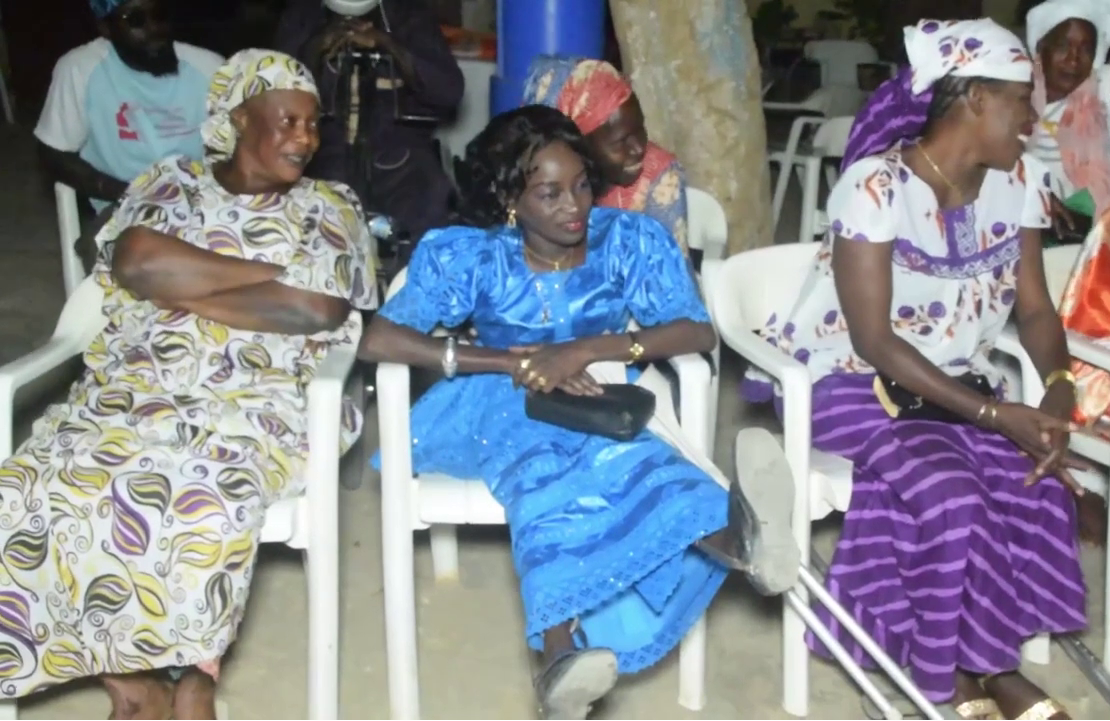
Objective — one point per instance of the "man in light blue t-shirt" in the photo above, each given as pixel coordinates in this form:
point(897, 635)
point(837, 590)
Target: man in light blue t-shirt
point(122, 102)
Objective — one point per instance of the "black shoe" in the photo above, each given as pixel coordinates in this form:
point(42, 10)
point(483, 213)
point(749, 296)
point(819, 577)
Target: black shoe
point(760, 505)
point(572, 683)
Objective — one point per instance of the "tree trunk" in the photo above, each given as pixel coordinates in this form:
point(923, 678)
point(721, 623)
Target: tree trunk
point(694, 67)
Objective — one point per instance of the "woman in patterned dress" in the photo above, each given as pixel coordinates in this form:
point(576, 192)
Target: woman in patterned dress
point(131, 517)
point(638, 174)
point(620, 546)
point(959, 542)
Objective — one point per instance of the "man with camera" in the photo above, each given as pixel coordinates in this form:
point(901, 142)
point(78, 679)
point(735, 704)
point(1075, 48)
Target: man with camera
point(386, 78)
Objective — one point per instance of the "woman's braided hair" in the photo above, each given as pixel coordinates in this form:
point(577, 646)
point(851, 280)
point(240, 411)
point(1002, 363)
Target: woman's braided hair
point(499, 159)
point(946, 92)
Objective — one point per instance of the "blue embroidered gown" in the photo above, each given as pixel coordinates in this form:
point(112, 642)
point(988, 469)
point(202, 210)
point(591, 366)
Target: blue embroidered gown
point(601, 530)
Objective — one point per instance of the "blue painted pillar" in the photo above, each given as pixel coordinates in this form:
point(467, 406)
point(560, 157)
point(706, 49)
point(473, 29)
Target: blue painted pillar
point(527, 28)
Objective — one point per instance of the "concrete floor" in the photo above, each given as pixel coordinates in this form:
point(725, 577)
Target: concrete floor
point(473, 658)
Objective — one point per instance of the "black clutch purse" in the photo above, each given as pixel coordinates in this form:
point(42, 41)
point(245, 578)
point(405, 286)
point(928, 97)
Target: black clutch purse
point(620, 413)
point(907, 406)
point(1064, 235)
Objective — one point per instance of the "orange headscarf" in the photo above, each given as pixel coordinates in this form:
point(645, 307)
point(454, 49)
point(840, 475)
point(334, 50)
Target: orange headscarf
point(587, 91)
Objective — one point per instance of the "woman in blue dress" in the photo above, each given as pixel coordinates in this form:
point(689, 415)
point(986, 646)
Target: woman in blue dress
point(619, 546)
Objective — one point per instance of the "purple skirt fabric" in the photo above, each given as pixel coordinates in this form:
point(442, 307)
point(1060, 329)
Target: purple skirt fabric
point(946, 558)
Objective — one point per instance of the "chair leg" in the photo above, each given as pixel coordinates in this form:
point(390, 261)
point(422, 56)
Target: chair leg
point(445, 552)
point(1106, 609)
point(322, 574)
point(795, 659)
point(6, 101)
point(810, 175)
point(691, 668)
point(1037, 649)
point(399, 590)
point(795, 653)
point(782, 182)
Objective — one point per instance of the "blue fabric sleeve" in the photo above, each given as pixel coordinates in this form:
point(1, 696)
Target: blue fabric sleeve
point(442, 281)
point(658, 284)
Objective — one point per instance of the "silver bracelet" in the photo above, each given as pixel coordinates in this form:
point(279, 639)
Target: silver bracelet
point(450, 361)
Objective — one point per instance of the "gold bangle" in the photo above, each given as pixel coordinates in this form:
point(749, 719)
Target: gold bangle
point(981, 413)
point(994, 414)
point(1063, 374)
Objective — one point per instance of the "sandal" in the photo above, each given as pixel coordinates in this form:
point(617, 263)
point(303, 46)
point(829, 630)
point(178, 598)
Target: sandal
point(1042, 710)
point(980, 709)
point(977, 709)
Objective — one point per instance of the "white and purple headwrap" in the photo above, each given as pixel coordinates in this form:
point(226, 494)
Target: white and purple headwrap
point(897, 110)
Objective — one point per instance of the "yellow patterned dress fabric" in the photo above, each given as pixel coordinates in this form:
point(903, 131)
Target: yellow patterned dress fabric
point(130, 519)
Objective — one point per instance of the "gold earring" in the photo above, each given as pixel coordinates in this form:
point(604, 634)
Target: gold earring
point(511, 220)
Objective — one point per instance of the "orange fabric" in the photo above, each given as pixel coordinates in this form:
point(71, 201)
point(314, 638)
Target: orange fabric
point(1085, 309)
point(592, 93)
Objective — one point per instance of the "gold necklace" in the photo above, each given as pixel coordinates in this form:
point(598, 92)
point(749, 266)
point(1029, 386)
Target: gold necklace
point(952, 186)
point(555, 264)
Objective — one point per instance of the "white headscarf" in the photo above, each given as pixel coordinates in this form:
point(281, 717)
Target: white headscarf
point(1044, 17)
point(966, 48)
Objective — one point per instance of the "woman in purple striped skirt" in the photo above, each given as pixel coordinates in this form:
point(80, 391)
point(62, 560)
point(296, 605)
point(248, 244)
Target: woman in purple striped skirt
point(960, 542)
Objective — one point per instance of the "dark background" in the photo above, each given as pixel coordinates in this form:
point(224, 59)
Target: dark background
point(40, 31)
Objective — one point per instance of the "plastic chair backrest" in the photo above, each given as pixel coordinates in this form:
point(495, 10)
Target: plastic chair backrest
point(706, 224)
point(397, 283)
point(839, 59)
point(69, 230)
point(472, 113)
point(748, 288)
point(831, 138)
point(1059, 263)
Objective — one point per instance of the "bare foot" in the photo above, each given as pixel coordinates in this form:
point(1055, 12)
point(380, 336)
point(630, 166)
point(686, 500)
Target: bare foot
point(139, 696)
point(1017, 695)
point(1090, 508)
point(195, 696)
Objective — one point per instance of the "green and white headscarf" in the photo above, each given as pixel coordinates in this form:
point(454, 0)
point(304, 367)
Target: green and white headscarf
point(247, 74)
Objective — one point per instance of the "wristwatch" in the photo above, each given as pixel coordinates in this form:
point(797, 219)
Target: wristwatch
point(635, 351)
point(450, 361)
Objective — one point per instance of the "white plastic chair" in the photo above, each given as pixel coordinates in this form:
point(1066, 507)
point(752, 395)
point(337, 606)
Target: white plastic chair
point(839, 60)
point(1059, 262)
point(473, 112)
point(5, 93)
point(744, 291)
point(707, 231)
point(829, 141)
point(438, 503)
point(706, 224)
point(309, 523)
point(69, 230)
point(819, 101)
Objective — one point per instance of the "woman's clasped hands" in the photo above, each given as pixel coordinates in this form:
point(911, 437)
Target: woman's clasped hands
point(1043, 433)
point(547, 367)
